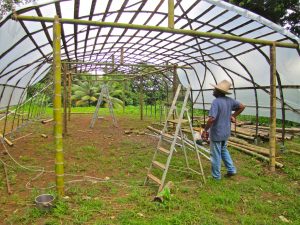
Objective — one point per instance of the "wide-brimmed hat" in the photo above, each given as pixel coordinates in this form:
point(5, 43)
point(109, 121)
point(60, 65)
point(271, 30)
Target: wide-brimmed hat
point(223, 86)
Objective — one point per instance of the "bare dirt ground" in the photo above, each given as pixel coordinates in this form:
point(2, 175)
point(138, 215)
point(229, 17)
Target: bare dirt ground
point(33, 153)
point(104, 174)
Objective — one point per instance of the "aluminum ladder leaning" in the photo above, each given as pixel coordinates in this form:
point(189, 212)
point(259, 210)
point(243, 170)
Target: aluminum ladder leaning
point(178, 136)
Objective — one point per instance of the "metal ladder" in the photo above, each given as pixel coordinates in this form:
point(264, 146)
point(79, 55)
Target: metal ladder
point(178, 135)
point(104, 93)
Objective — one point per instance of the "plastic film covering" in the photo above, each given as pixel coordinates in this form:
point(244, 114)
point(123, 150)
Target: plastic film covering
point(26, 48)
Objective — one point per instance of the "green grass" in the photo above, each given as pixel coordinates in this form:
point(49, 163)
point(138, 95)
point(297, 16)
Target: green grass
point(256, 196)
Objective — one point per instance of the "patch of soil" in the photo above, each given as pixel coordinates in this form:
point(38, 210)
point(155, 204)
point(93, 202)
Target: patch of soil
point(34, 150)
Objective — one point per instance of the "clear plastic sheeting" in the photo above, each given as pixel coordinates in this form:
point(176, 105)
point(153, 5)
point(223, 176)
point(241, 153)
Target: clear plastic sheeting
point(26, 48)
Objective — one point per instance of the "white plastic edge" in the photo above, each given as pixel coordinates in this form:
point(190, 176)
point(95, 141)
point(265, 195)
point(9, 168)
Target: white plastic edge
point(250, 15)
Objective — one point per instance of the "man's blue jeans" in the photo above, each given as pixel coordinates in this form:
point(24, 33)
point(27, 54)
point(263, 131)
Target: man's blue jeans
point(218, 151)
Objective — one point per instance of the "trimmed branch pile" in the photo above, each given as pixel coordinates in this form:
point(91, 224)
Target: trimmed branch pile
point(247, 131)
point(253, 150)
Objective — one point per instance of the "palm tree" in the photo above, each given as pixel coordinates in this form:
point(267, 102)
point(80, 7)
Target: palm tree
point(86, 91)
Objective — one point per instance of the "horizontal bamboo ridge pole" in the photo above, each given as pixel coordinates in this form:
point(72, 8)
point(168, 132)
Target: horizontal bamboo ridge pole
point(125, 64)
point(159, 29)
point(104, 75)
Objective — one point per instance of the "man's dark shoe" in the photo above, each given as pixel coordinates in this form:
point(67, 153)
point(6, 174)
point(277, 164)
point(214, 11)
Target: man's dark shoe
point(228, 175)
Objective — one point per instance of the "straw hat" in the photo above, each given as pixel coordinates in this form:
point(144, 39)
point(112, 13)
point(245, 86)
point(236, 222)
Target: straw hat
point(223, 86)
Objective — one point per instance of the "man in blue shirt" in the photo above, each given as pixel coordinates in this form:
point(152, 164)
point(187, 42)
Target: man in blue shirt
point(219, 123)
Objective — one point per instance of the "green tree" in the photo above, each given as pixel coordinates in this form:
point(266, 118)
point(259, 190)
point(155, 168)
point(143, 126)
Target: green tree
point(8, 5)
point(283, 12)
point(86, 90)
point(116, 92)
point(155, 85)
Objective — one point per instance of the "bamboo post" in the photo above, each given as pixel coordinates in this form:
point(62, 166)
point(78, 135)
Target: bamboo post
point(113, 61)
point(175, 85)
point(155, 108)
point(65, 99)
point(70, 95)
point(272, 139)
point(141, 98)
point(123, 94)
point(171, 14)
point(192, 109)
point(175, 81)
point(122, 56)
point(7, 180)
point(57, 114)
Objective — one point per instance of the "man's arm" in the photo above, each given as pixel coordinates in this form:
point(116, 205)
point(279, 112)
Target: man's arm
point(237, 112)
point(204, 134)
point(210, 121)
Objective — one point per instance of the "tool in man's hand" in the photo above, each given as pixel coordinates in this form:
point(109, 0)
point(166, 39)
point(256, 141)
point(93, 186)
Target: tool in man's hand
point(205, 135)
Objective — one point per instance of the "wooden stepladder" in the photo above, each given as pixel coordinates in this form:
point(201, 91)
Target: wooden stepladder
point(178, 136)
point(104, 94)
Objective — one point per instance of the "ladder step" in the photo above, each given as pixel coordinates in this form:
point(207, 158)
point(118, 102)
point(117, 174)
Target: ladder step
point(163, 150)
point(177, 121)
point(154, 178)
point(159, 165)
point(167, 135)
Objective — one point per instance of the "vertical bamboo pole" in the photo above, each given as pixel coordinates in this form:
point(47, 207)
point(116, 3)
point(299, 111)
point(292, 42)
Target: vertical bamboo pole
point(113, 61)
point(141, 99)
point(192, 109)
point(272, 106)
point(70, 95)
point(122, 56)
point(65, 99)
point(123, 94)
point(175, 81)
point(59, 157)
point(175, 85)
point(171, 14)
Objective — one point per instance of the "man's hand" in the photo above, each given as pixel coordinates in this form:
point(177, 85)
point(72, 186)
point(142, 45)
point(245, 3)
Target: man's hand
point(233, 119)
point(237, 112)
point(204, 135)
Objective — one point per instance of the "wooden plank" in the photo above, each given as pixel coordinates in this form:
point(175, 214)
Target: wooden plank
point(159, 165)
point(154, 178)
point(163, 150)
